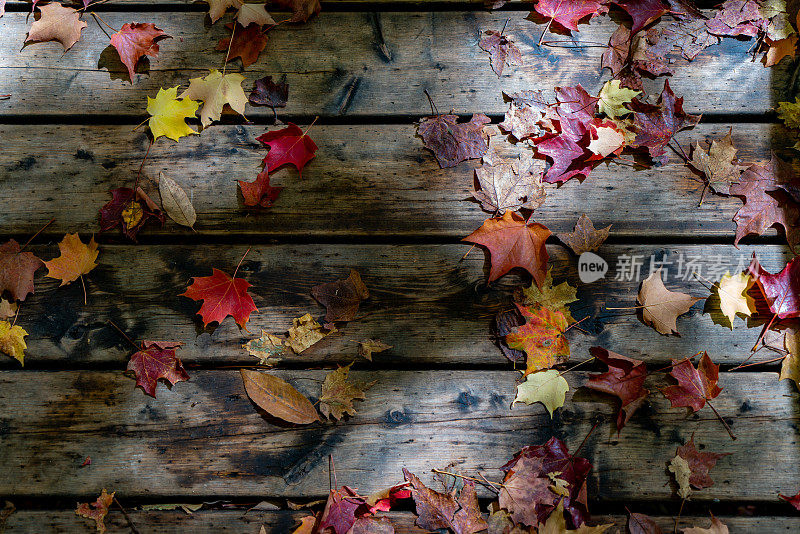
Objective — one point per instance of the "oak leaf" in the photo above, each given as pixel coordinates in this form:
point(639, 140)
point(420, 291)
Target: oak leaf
point(278, 398)
point(98, 509)
point(76, 259)
point(341, 298)
point(259, 192)
point(509, 184)
point(287, 146)
point(156, 360)
point(57, 23)
point(168, 114)
point(613, 98)
point(718, 164)
point(695, 386)
point(338, 394)
point(642, 524)
point(584, 238)
point(305, 331)
point(217, 8)
point(254, 13)
point(567, 13)
point(216, 90)
point(222, 295)
point(541, 337)
point(550, 296)
point(660, 306)
point(624, 379)
point(268, 93)
point(436, 510)
point(130, 210)
point(136, 40)
point(733, 295)
point(247, 43)
point(16, 270)
point(547, 387)
point(502, 50)
point(657, 124)
point(717, 527)
point(453, 142)
point(368, 347)
point(643, 12)
point(268, 349)
point(781, 290)
point(12, 341)
point(176, 202)
point(513, 242)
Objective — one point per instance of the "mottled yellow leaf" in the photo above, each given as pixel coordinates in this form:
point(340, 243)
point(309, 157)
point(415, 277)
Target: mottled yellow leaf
point(547, 387)
point(12, 342)
point(613, 98)
point(733, 297)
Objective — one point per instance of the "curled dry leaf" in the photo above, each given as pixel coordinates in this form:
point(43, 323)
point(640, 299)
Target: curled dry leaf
point(268, 349)
point(502, 50)
point(790, 367)
point(76, 259)
point(217, 8)
point(368, 347)
point(584, 238)
point(12, 341)
point(268, 93)
point(717, 527)
point(338, 394)
point(176, 202)
point(97, 510)
point(17, 268)
point(305, 331)
point(680, 469)
point(342, 297)
point(7, 308)
point(157, 361)
point(436, 510)
point(660, 306)
point(278, 398)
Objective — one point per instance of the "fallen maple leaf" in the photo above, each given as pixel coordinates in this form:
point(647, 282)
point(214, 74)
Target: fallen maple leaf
point(642, 524)
point(794, 501)
point(176, 202)
point(57, 23)
point(547, 387)
point(526, 491)
point(12, 341)
point(16, 270)
point(136, 40)
point(718, 164)
point(695, 386)
point(254, 13)
point(624, 379)
point(98, 509)
point(342, 297)
point(452, 142)
point(513, 242)
point(287, 146)
point(168, 114)
point(509, 184)
point(502, 50)
point(267, 348)
point(717, 527)
point(700, 463)
point(541, 337)
point(779, 49)
point(386, 499)
point(156, 361)
point(616, 55)
point(217, 8)
point(341, 511)
point(436, 510)
point(302, 10)
point(129, 209)
point(259, 192)
point(76, 259)
point(584, 238)
point(216, 90)
point(528, 115)
point(268, 93)
point(734, 297)
point(550, 296)
point(567, 13)
point(660, 306)
point(278, 398)
point(222, 295)
point(613, 98)
point(7, 308)
point(781, 290)
point(307, 524)
point(305, 331)
point(368, 347)
point(247, 43)
point(338, 394)
point(557, 525)
point(643, 12)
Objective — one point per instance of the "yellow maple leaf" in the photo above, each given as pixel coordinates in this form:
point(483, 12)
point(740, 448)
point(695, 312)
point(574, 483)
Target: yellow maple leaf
point(169, 114)
point(216, 90)
point(613, 98)
point(12, 342)
point(556, 524)
point(733, 297)
point(789, 113)
point(76, 259)
point(547, 387)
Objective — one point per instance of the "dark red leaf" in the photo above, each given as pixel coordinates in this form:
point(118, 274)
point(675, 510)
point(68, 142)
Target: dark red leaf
point(16, 270)
point(222, 295)
point(157, 361)
point(342, 297)
point(624, 379)
point(781, 290)
point(287, 146)
point(700, 463)
point(453, 142)
point(695, 386)
point(259, 192)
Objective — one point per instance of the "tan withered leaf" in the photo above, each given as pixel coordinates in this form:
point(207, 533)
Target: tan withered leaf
point(278, 398)
point(267, 348)
point(338, 394)
point(509, 184)
point(585, 237)
point(57, 23)
point(718, 163)
point(216, 90)
point(790, 367)
point(305, 331)
point(368, 347)
point(8, 309)
point(660, 306)
point(176, 202)
point(717, 527)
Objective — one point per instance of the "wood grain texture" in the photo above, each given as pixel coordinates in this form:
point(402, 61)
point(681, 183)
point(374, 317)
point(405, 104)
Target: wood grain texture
point(205, 438)
point(360, 64)
point(366, 181)
point(281, 522)
point(433, 308)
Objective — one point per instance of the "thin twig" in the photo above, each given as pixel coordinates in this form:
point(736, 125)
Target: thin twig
point(434, 109)
point(504, 26)
point(5, 97)
point(488, 484)
point(549, 22)
point(677, 518)
point(85, 300)
point(127, 517)
point(467, 254)
point(98, 17)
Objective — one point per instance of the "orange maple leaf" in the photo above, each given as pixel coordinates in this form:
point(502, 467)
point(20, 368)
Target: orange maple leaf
point(76, 259)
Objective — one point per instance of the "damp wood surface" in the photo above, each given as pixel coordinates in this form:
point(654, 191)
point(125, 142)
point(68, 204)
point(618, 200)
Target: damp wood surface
point(375, 200)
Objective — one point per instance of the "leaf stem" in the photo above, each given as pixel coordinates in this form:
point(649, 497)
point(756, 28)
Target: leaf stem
point(127, 517)
point(728, 428)
point(241, 260)
point(129, 340)
point(28, 242)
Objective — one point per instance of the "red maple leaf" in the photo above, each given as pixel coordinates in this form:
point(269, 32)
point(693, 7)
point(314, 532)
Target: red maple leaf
point(287, 146)
point(643, 12)
point(695, 386)
point(513, 242)
point(129, 209)
point(341, 510)
point(16, 270)
point(541, 337)
point(247, 43)
point(222, 296)
point(781, 290)
point(567, 13)
point(656, 124)
point(794, 501)
point(453, 142)
point(737, 17)
point(526, 490)
point(136, 40)
point(156, 361)
point(624, 379)
point(386, 499)
point(700, 463)
point(259, 192)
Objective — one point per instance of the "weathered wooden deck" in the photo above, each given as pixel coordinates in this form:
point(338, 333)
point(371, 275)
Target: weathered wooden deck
point(373, 199)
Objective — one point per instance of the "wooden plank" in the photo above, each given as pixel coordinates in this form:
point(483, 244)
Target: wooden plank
point(204, 437)
point(365, 181)
point(433, 308)
point(335, 66)
point(281, 522)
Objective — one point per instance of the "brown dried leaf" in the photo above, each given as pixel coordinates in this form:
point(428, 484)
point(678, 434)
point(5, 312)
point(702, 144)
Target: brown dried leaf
point(585, 237)
point(278, 398)
point(338, 394)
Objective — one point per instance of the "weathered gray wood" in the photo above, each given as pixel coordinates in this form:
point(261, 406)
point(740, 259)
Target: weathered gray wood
point(281, 522)
point(433, 308)
point(336, 65)
point(205, 438)
point(365, 181)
